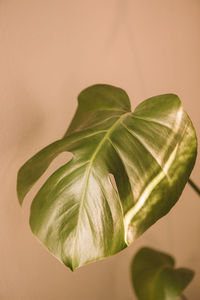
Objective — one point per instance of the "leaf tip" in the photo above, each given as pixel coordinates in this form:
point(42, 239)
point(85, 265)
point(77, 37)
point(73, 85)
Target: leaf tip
point(19, 188)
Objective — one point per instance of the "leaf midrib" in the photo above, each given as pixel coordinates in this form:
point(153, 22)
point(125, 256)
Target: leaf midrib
point(158, 273)
point(88, 170)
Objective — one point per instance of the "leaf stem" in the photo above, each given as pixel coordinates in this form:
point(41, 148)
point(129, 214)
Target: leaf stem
point(194, 186)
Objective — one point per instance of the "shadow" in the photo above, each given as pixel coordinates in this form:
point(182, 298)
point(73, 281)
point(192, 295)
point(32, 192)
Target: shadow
point(23, 122)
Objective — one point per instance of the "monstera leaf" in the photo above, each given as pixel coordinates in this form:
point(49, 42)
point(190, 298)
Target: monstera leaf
point(154, 277)
point(79, 214)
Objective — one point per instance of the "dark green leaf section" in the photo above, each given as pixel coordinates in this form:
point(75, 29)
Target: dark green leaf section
point(78, 214)
point(155, 278)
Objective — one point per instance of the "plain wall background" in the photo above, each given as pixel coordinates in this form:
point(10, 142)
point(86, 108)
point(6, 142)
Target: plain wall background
point(51, 50)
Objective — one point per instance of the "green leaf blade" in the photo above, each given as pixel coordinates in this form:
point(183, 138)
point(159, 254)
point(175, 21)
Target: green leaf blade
point(78, 214)
point(83, 229)
point(155, 278)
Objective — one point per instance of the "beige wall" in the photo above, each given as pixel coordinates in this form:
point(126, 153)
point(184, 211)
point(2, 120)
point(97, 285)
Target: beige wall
point(51, 50)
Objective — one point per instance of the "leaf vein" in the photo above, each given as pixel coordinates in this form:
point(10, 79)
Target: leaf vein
point(88, 170)
point(144, 145)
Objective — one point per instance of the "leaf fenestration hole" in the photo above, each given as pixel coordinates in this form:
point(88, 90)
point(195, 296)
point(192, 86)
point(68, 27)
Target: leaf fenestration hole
point(62, 159)
point(112, 179)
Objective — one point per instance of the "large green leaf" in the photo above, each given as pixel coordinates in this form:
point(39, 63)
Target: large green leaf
point(154, 277)
point(78, 214)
